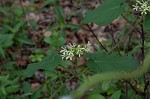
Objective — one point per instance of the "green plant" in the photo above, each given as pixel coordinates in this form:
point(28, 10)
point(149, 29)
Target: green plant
point(13, 31)
point(115, 63)
point(37, 55)
point(103, 66)
point(118, 68)
point(8, 87)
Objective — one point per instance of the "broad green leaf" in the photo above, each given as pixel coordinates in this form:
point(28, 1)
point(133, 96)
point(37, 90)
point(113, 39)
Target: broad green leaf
point(105, 85)
point(65, 63)
point(48, 63)
point(116, 95)
point(102, 62)
point(26, 87)
point(106, 12)
point(147, 24)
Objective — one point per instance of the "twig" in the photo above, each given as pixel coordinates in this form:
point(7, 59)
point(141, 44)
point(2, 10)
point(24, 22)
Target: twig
point(123, 38)
point(52, 97)
point(76, 63)
point(146, 87)
point(127, 19)
point(142, 41)
point(67, 70)
point(128, 44)
point(111, 33)
point(92, 33)
point(96, 38)
point(126, 90)
point(139, 93)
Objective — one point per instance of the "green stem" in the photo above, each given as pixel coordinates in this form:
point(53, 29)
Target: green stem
point(72, 77)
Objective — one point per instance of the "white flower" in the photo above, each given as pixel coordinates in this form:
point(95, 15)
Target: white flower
point(142, 6)
point(88, 47)
point(72, 50)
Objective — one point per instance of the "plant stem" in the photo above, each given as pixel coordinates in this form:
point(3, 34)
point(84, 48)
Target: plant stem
point(142, 41)
point(123, 38)
point(128, 44)
point(52, 96)
point(96, 38)
point(146, 81)
point(76, 64)
point(126, 90)
point(111, 33)
point(67, 70)
point(137, 92)
point(77, 75)
point(93, 33)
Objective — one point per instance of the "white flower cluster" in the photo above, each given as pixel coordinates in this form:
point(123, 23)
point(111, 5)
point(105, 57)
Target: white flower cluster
point(72, 50)
point(142, 6)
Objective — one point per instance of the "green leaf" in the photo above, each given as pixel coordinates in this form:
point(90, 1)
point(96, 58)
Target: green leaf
point(26, 94)
point(65, 63)
point(47, 2)
point(26, 87)
point(55, 42)
point(25, 40)
point(116, 95)
point(12, 89)
point(96, 96)
point(147, 24)
point(3, 90)
point(9, 65)
point(18, 26)
point(106, 12)
point(6, 40)
point(4, 80)
point(33, 24)
point(48, 63)
point(4, 10)
point(60, 15)
point(2, 53)
point(74, 27)
point(105, 85)
point(102, 62)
